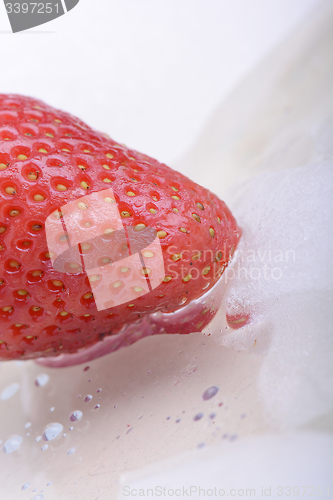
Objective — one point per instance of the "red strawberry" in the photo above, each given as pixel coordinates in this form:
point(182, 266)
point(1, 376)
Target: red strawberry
point(239, 320)
point(192, 318)
point(48, 161)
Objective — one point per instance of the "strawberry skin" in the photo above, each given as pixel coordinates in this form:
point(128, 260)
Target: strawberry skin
point(192, 318)
point(48, 159)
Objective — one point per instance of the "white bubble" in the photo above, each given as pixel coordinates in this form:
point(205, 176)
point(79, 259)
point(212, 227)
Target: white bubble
point(75, 415)
point(52, 431)
point(70, 451)
point(12, 444)
point(42, 379)
point(25, 486)
point(210, 392)
point(9, 391)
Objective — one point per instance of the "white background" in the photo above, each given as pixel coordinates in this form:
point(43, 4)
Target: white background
point(148, 72)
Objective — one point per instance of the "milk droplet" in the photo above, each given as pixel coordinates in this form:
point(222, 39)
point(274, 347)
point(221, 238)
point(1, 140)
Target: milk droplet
point(70, 451)
point(27, 425)
point(210, 392)
point(42, 379)
point(75, 415)
point(88, 398)
point(25, 486)
point(12, 444)
point(49, 483)
point(44, 447)
point(198, 416)
point(38, 497)
point(9, 391)
point(52, 431)
point(52, 408)
point(97, 406)
point(38, 438)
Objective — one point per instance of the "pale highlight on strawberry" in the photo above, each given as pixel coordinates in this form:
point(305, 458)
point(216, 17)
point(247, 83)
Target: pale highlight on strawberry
point(152, 240)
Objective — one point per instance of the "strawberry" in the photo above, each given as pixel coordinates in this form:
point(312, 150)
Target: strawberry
point(60, 179)
point(192, 318)
point(236, 321)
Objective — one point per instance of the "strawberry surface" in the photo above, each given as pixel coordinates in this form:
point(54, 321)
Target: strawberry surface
point(49, 160)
